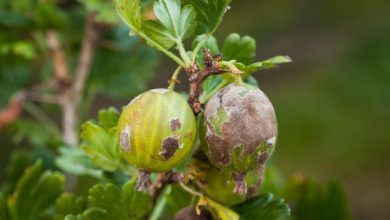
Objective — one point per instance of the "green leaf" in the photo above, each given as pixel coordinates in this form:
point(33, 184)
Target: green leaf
point(251, 81)
point(266, 64)
point(105, 12)
point(69, 204)
point(264, 207)
point(74, 161)
point(157, 32)
point(130, 12)
point(209, 13)
point(209, 42)
point(241, 49)
point(35, 192)
point(177, 198)
point(101, 146)
point(178, 22)
point(30, 130)
point(212, 85)
point(312, 201)
point(108, 118)
point(13, 77)
point(122, 72)
point(138, 204)
point(19, 161)
point(108, 202)
point(49, 15)
point(4, 215)
point(219, 211)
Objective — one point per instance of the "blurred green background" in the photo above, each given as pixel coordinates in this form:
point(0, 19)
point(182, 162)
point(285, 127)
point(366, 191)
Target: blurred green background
point(332, 102)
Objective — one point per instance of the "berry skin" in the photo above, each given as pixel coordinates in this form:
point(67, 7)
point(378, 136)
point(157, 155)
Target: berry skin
point(157, 131)
point(239, 131)
point(219, 184)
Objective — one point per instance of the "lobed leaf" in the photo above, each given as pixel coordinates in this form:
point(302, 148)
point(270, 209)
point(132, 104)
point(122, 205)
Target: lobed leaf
point(209, 42)
point(74, 161)
point(19, 161)
point(218, 211)
point(35, 192)
point(209, 14)
point(266, 64)
point(312, 201)
point(157, 32)
point(105, 12)
point(179, 23)
point(130, 12)
point(122, 72)
point(240, 49)
point(108, 118)
point(108, 202)
point(264, 207)
point(101, 146)
point(69, 204)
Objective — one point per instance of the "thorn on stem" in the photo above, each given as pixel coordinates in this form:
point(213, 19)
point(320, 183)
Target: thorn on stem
point(239, 179)
point(143, 180)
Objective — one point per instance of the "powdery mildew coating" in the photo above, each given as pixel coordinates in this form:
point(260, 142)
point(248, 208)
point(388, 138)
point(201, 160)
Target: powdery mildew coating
point(241, 128)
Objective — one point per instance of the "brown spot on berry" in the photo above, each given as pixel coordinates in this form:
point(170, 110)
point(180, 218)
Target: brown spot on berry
point(175, 124)
point(125, 139)
point(169, 147)
point(262, 158)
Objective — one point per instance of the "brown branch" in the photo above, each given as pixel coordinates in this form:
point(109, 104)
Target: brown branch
point(44, 98)
point(91, 37)
point(197, 76)
point(72, 97)
point(60, 63)
point(13, 110)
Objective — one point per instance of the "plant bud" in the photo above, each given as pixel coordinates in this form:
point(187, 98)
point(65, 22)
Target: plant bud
point(156, 130)
point(239, 131)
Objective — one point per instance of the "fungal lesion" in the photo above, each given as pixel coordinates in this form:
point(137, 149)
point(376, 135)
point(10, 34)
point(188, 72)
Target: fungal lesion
point(169, 147)
point(217, 121)
point(262, 158)
point(175, 124)
point(125, 139)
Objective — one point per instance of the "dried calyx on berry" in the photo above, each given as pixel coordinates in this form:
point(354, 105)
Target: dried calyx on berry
point(157, 131)
point(239, 131)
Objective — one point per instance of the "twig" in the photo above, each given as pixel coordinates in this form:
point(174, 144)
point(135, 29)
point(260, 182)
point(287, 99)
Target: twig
point(197, 76)
point(85, 60)
point(174, 80)
point(73, 95)
point(39, 97)
point(60, 63)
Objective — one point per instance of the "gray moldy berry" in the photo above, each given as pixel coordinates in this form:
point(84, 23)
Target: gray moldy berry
point(239, 131)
